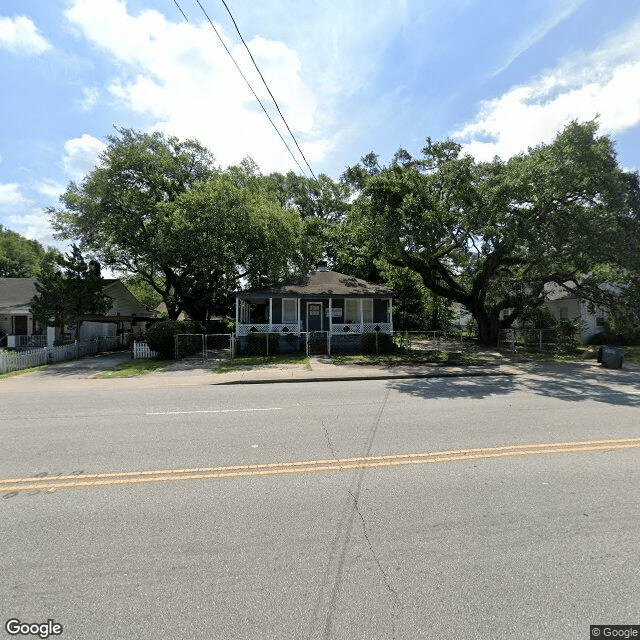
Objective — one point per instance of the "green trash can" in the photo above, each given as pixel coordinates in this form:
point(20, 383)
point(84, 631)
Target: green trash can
point(611, 357)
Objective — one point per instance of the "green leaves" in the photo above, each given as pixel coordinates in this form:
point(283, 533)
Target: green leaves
point(489, 235)
point(67, 293)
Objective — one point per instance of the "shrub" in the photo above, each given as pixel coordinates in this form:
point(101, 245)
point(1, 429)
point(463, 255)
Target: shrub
point(262, 344)
point(367, 343)
point(161, 337)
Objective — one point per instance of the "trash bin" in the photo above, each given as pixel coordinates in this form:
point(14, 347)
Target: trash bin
point(612, 357)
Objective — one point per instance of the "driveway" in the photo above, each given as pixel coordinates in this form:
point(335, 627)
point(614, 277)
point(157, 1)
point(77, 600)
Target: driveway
point(83, 368)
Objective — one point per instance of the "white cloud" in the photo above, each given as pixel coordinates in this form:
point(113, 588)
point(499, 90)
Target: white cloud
point(34, 225)
point(179, 75)
point(11, 197)
point(90, 96)
point(81, 155)
point(605, 83)
point(20, 35)
point(50, 188)
point(559, 12)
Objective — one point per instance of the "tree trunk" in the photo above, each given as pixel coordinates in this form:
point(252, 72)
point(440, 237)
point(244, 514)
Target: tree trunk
point(488, 327)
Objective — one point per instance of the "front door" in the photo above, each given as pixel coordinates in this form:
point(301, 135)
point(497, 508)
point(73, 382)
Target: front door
point(20, 325)
point(314, 316)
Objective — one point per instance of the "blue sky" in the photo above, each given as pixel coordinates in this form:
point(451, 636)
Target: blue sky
point(351, 76)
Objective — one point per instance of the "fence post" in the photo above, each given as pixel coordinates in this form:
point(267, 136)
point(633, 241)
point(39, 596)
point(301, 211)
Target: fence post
point(204, 351)
point(377, 353)
point(540, 340)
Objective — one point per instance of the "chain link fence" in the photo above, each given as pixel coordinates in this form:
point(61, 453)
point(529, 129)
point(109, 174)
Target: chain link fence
point(420, 342)
point(555, 340)
point(205, 346)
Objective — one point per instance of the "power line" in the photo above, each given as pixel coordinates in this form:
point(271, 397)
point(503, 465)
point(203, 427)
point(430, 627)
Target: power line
point(246, 81)
point(181, 11)
point(267, 87)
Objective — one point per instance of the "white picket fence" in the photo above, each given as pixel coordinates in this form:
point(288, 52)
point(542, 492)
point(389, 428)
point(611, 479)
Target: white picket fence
point(141, 350)
point(18, 360)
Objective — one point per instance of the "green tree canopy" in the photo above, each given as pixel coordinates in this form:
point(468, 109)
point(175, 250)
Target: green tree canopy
point(67, 293)
point(158, 209)
point(489, 235)
point(21, 257)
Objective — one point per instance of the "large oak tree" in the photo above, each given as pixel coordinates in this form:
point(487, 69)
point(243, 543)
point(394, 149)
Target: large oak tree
point(159, 209)
point(489, 235)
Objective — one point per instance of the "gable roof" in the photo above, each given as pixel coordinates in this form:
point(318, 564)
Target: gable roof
point(17, 293)
point(321, 283)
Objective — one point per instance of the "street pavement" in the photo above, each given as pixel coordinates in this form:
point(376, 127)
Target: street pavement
point(503, 505)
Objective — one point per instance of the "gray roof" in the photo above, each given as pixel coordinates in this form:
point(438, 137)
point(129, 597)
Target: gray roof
point(321, 284)
point(16, 293)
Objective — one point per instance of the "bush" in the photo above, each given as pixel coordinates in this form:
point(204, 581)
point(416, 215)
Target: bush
point(262, 344)
point(161, 337)
point(367, 343)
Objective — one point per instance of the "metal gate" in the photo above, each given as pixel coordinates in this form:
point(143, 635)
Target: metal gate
point(317, 343)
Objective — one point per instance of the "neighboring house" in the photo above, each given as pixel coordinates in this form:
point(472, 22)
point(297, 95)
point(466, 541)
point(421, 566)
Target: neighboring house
point(340, 306)
point(127, 313)
point(564, 304)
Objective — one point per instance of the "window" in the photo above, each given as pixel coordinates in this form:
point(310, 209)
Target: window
point(367, 310)
point(351, 311)
point(289, 311)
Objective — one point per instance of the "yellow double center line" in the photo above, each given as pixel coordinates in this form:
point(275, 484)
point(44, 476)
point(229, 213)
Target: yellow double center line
point(55, 483)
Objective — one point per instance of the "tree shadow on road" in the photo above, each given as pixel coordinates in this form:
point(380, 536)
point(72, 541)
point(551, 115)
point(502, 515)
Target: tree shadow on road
point(571, 383)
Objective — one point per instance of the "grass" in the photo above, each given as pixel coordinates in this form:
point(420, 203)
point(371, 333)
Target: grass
point(10, 374)
point(419, 357)
point(132, 368)
point(632, 354)
point(243, 363)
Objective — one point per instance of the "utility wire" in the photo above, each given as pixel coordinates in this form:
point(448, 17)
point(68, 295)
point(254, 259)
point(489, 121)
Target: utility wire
point(246, 81)
point(267, 87)
point(181, 11)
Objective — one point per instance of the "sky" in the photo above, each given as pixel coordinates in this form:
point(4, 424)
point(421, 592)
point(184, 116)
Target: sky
point(350, 76)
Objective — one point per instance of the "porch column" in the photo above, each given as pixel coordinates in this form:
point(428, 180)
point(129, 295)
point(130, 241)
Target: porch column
point(270, 314)
point(391, 312)
point(330, 318)
point(237, 313)
point(299, 318)
point(361, 318)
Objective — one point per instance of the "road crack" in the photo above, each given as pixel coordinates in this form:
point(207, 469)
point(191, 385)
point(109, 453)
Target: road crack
point(354, 493)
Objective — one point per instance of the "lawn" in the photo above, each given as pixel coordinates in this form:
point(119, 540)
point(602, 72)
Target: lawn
point(416, 357)
point(138, 367)
point(244, 363)
point(21, 371)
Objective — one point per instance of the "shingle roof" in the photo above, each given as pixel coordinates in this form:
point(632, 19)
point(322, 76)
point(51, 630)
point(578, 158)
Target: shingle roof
point(321, 283)
point(16, 293)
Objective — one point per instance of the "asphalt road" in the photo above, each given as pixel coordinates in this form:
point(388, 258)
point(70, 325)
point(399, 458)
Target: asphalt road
point(500, 543)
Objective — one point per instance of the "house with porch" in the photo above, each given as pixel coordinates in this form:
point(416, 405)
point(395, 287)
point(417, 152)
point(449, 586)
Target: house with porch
point(329, 307)
point(18, 327)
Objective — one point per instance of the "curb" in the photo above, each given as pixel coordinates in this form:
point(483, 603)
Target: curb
point(400, 376)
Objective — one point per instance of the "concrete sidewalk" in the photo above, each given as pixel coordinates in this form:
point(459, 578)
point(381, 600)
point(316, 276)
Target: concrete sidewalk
point(322, 369)
point(86, 373)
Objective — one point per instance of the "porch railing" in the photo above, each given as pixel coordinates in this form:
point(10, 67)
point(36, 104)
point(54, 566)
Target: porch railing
point(18, 341)
point(246, 329)
point(336, 329)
